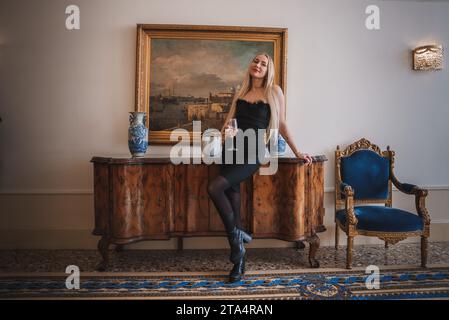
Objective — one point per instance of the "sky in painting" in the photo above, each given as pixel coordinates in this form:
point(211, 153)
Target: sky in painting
point(197, 67)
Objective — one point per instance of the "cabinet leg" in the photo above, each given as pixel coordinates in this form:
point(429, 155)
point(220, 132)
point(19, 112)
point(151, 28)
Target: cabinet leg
point(300, 245)
point(180, 244)
point(314, 242)
point(337, 236)
point(103, 247)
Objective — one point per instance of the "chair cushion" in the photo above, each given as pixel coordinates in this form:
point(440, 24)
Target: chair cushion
point(378, 218)
point(367, 173)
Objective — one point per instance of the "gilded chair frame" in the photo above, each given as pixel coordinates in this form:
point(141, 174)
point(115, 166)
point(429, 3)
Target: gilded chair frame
point(348, 203)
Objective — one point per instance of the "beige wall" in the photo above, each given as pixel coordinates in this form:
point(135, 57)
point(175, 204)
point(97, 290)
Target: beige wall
point(65, 95)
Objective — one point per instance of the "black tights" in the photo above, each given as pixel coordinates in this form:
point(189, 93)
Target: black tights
point(227, 202)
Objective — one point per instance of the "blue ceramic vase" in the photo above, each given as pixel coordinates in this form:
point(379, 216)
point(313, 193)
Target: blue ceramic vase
point(137, 134)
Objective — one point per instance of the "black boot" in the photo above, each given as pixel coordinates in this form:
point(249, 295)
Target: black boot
point(238, 271)
point(246, 237)
point(235, 238)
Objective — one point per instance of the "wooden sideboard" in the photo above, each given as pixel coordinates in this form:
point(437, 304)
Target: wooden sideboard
point(151, 198)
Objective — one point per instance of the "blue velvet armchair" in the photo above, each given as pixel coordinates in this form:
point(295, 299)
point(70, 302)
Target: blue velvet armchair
point(364, 176)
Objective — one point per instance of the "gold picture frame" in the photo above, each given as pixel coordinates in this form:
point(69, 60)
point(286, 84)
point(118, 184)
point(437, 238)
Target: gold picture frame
point(150, 36)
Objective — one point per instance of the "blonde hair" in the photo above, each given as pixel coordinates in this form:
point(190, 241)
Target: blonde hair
point(269, 93)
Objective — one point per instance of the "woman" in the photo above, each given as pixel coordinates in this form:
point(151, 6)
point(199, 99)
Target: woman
point(259, 104)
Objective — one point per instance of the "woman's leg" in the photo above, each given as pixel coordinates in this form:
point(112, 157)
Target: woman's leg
point(234, 199)
point(227, 202)
point(216, 190)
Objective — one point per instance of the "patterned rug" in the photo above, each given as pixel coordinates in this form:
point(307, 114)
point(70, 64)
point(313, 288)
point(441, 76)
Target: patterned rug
point(304, 284)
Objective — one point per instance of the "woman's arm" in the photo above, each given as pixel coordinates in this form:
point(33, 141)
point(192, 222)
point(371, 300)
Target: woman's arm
point(283, 128)
point(224, 130)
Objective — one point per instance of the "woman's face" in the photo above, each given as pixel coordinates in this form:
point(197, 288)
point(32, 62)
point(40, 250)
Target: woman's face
point(259, 66)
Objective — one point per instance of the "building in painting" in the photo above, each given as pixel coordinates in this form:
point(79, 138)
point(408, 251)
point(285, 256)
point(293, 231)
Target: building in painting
point(197, 111)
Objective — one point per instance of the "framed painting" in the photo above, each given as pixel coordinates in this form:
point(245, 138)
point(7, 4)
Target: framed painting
point(186, 73)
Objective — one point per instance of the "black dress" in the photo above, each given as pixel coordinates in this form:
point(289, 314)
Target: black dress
point(249, 115)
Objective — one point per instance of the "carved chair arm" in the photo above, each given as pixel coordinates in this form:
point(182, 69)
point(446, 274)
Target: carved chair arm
point(347, 190)
point(406, 188)
point(420, 197)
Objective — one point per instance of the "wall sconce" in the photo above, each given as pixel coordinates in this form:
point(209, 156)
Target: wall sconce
point(428, 58)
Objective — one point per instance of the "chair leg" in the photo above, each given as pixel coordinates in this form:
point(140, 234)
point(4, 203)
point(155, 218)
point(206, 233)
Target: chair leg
point(337, 238)
point(349, 252)
point(424, 249)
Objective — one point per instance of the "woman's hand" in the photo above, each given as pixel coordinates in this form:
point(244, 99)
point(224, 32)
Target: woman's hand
point(230, 132)
point(305, 157)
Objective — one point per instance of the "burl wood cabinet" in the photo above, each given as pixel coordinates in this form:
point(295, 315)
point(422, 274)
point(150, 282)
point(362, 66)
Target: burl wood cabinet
point(151, 198)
